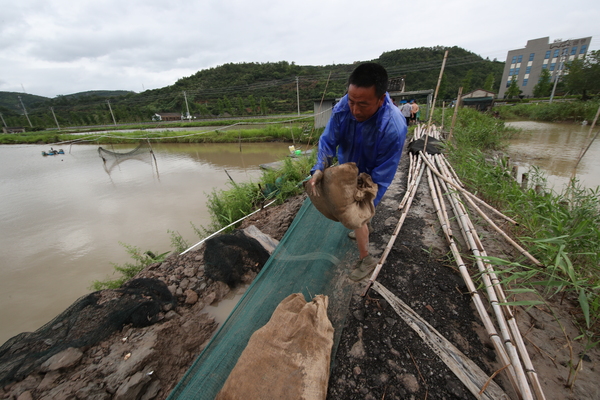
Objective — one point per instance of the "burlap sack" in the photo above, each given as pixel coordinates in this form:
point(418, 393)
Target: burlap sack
point(288, 358)
point(345, 196)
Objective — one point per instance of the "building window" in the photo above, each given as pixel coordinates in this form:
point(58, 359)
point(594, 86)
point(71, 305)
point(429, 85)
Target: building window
point(511, 72)
point(528, 70)
point(556, 52)
point(517, 71)
point(574, 51)
point(583, 49)
point(507, 83)
point(565, 52)
point(552, 66)
point(531, 56)
point(548, 54)
point(525, 82)
point(514, 59)
point(544, 66)
point(520, 59)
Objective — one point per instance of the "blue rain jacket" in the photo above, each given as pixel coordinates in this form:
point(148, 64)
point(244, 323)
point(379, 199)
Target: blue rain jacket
point(375, 145)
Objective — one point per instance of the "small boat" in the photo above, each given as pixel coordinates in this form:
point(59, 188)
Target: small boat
point(53, 152)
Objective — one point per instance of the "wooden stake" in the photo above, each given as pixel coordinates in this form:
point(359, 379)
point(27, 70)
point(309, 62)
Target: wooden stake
point(455, 113)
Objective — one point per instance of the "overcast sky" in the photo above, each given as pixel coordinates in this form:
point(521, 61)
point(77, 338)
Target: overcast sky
point(54, 47)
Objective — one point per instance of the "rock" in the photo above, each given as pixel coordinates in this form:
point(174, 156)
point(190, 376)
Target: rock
point(25, 396)
point(170, 315)
point(173, 289)
point(191, 297)
point(65, 359)
point(410, 382)
point(132, 387)
point(152, 390)
point(48, 381)
point(189, 272)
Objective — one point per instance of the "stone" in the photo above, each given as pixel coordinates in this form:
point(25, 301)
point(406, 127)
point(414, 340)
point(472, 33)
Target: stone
point(410, 382)
point(191, 297)
point(152, 390)
point(65, 359)
point(25, 396)
point(132, 387)
point(48, 381)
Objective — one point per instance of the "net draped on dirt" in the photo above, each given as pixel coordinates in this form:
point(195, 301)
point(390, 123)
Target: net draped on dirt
point(89, 320)
point(310, 259)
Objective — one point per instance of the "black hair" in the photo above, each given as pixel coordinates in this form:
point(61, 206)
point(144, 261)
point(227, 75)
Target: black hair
point(370, 74)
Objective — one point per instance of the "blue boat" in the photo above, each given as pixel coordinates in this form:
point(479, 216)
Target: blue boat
point(53, 152)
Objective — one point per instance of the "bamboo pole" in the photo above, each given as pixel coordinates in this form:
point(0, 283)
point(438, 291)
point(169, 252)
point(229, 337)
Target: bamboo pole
point(388, 248)
point(437, 88)
point(472, 196)
point(455, 113)
point(504, 315)
point(589, 144)
point(481, 310)
point(467, 228)
point(501, 232)
point(469, 373)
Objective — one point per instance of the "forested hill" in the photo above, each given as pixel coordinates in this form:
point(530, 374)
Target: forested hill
point(251, 88)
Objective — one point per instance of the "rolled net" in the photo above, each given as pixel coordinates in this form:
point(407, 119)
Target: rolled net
point(313, 257)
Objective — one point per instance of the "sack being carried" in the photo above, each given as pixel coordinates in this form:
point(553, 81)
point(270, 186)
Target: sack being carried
point(345, 196)
point(288, 358)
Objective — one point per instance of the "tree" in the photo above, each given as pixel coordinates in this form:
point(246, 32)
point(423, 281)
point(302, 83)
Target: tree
point(263, 106)
point(252, 104)
point(544, 85)
point(467, 81)
point(584, 75)
point(513, 89)
point(240, 106)
point(489, 83)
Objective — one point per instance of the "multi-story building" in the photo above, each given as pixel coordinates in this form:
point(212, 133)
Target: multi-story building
point(525, 65)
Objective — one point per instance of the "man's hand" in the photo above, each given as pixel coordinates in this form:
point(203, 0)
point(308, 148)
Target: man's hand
point(311, 186)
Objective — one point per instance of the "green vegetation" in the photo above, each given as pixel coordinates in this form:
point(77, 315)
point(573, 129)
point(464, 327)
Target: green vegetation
point(229, 134)
point(251, 89)
point(584, 75)
point(562, 230)
point(557, 111)
point(129, 270)
point(227, 206)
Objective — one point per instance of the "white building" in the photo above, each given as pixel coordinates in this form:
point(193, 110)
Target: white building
point(526, 64)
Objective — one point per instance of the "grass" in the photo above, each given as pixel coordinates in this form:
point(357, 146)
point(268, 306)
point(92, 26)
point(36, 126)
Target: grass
point(575, 111)
point(561, 229)
point(277, 130)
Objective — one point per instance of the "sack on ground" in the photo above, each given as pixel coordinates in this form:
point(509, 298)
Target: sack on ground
point(346, 196)
point(288, 358)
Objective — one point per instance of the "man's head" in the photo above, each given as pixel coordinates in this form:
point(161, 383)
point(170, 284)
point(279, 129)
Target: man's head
point(366, 90)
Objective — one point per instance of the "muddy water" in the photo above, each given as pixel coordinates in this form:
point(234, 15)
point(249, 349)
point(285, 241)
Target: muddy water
point(62, 217)
point(555, 149)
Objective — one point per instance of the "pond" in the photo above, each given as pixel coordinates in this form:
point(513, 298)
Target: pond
point(555, 148)
point(62, 217)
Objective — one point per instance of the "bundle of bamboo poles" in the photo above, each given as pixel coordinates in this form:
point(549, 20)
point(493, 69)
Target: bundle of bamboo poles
point(448, 193)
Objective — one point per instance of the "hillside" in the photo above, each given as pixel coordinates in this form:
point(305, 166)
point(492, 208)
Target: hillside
point(255, 88)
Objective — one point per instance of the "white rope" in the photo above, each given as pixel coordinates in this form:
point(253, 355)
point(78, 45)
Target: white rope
point(222, 229)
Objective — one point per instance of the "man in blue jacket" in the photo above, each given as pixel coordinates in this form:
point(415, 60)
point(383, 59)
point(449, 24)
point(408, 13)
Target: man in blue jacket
point(368, 129)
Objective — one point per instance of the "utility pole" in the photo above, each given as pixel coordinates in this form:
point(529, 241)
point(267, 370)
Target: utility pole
point(25, 111)
point(298, 96)
point(560, 66)
point(55, 120)
point(111, 113)
point(188, 116)
point(1, 117)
